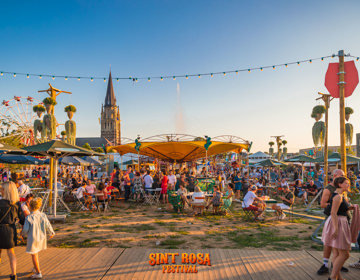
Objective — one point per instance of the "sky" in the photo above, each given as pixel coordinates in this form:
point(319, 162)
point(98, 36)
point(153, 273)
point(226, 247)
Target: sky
point(166, 38)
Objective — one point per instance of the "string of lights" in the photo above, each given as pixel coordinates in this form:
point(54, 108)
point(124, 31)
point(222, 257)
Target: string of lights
point(173, 77)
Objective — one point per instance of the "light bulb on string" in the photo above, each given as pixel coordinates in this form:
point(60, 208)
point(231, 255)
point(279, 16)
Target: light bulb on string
point(91, 79)
point(236, 72)
point(161, 78)
point(211, 75)
point(27, 76)
point(136, 80)
point(322, 59)
point(66, 78)
point(186, 77)
point(53, 77)
point(117, 79)
point(40, 77)
point(298, 63)
point(14, 74)
point(2, 73)
point(78, 78)
point(149, 79)
point(224, 73)
point(286, 65)
point(261, 68)
point(274, 67)
point(357, 59)
point(104, 80)
point(174, 78)
point(249, 70)
point(310, 61)
point(199, 76)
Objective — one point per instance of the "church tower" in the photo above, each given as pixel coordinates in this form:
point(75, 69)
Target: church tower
point(110, 116)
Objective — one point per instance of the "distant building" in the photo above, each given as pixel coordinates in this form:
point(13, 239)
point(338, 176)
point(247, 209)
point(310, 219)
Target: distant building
point(110, 133)
point(258, 156)
point(333, 149)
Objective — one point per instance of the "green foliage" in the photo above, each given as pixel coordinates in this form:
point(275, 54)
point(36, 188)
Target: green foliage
point(284, 142)
point(39, 108)
point(348, 111)
point(199, 139)
point(99, 150)
point(271, 143)
point(87, 146)
point(349, 130)
point(318, 133)
point(319, 109)
point(49, 101)
point(63, 133)
point(70, 108)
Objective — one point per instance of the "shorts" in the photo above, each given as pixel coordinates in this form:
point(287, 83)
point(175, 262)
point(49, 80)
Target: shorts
point(300, 194)
point(252, 208)
point(283, 206)
point(238, 187)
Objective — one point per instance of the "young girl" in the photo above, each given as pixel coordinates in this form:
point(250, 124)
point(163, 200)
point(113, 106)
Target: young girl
point(36, 225)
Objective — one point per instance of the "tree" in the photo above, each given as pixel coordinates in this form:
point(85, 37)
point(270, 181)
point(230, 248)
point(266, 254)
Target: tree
point(87, 146)
point(99, 150)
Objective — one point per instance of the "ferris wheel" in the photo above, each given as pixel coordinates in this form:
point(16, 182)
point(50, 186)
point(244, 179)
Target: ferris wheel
point(17, 118)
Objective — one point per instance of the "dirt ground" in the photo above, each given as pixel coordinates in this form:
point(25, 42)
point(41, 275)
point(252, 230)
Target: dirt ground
point(130, 225)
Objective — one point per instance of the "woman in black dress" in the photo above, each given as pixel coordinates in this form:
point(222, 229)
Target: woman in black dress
point(9, 210)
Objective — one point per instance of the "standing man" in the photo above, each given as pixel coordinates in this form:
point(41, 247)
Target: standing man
point(117, 178)
point(245, 183)
point(172, 178)
point(148, 181)
point(325, 203)
point(237, 182)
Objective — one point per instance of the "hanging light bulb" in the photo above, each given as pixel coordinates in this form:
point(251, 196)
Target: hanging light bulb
point(322, 59)
point(310, 61)
point(261, 68)
point(2, 73)
point(91, 79)
point(40, 77)
point(14, 74)
point(149, 79)
point(117, 79)
point(357, 59)
point(104, 80)
point(274, 67)
point(211, 75)
point(298, 63)
point(186, 77)
point(236, 72)
point(78, 78)
point(136, 80)
point(286, 65)
point(66, 78)
point(27, 76)
point(224, 74)
point(174, 78)
point(161, 78)
point(249, 70)
point(199, 76)
point(53, 77)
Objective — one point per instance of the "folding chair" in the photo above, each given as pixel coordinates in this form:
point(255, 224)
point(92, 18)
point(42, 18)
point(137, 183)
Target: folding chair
point(104, 204)
point(199, 205)
point(249, 214)
point(78, 203)
point(149, 197)
point(115, 196)
point(89, 201)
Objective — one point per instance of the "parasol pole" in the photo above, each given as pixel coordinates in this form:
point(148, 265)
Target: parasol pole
point(342, 110)
point(51, 181)
point(55, 185)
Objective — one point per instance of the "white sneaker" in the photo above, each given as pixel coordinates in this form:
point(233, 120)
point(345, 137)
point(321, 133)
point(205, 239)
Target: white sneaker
point(237, 200)
point(282, 216)
point(36, 276)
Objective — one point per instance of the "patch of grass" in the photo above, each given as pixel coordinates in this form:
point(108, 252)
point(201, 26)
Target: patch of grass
point(183, 232)
point(172, 243)
point(259, 240)
point(105, 217)
point(135, 228)
point(87, 243)
point(84, 226)
point(152, 236)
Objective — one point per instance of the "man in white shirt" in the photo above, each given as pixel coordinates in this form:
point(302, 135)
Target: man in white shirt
point(171, 178)
point(248, 203)
point(148, 180)
point(24, 190)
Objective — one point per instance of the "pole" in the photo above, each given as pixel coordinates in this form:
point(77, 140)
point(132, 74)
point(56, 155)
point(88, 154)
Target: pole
point(138, 162)
point(326, 99)
point(206, 159)
point(55, 185)
point(342, 110)
point(51, 181)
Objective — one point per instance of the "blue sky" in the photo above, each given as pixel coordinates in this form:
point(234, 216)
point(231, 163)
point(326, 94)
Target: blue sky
point(154, 38)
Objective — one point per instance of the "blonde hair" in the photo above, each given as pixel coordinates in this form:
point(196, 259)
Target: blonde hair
point(35, 204)
point(10, 192)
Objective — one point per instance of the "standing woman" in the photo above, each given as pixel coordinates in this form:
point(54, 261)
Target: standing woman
point(336, 232)
point(8, 215)
point(164, 186)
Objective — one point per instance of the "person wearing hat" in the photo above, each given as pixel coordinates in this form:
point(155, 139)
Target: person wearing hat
point(248, 203)
point(288, 200)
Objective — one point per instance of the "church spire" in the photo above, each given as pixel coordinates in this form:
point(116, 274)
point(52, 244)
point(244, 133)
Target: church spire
point(110, 99)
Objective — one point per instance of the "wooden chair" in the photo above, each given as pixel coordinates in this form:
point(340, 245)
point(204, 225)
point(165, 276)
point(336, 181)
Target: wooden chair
point(89, 202)
point(198, 204)
point(115, 196)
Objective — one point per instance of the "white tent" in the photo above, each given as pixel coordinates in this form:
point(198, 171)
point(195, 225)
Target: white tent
point(257, 157)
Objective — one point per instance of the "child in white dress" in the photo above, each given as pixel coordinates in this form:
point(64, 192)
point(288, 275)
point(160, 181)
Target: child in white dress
point(35, 227)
